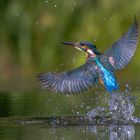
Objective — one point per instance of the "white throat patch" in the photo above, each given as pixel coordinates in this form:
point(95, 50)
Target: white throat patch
point(90, 52)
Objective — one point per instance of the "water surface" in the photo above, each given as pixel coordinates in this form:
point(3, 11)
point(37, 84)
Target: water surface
point(23, 115)
point(35, 132)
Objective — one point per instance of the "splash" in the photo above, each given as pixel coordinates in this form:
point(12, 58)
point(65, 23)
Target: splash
point(114, 132)
point(120, 109)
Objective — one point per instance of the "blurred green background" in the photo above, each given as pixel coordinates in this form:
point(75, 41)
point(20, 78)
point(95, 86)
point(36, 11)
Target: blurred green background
point(31, 33)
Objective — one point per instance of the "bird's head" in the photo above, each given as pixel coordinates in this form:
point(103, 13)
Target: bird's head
point(87, 47)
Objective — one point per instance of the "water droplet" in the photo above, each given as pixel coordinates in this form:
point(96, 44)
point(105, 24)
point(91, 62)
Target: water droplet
point(36, 23)
point(17, 14)
point(74, 3)
point(127, 85)
point(77, 112)
point(88, 107)
point(55, 5)
point(46, 1)
point(95, 39)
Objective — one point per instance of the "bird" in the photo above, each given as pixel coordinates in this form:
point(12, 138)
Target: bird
point(99, 67)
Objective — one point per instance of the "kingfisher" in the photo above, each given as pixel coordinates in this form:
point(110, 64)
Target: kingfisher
point(98, 68)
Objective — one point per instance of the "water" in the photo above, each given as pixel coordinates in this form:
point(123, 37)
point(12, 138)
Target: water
point(35, 115)
point(36, 132)
point(121, 108)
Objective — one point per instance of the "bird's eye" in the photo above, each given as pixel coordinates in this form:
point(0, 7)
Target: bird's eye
point(82, 44)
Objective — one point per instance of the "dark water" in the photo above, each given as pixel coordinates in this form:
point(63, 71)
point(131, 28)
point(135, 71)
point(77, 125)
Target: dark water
point(24, 115)
point(112, 132)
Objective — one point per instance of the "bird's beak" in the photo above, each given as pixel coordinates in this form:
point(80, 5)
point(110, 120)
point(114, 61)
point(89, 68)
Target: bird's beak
point(76, 45)
point(69, 43)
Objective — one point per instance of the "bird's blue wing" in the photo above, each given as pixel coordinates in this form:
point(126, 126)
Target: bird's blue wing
point(122, 51)
point(74, 81)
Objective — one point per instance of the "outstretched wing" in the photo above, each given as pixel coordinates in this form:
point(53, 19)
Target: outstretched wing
point(120, 54)
point(74, 81)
